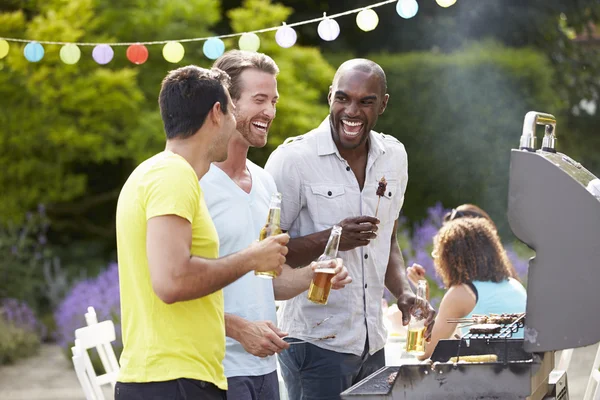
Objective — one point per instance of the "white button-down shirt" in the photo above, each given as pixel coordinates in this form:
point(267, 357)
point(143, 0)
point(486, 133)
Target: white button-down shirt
point(319, 190)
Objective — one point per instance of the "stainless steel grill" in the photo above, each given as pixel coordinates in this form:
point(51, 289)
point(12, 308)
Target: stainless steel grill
point(554, 208)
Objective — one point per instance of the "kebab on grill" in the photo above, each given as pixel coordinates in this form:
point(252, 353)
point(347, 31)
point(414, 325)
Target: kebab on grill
point(485, 328)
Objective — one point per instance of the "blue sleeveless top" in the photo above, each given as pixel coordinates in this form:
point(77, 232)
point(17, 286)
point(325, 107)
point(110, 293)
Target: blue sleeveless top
point(508, 296)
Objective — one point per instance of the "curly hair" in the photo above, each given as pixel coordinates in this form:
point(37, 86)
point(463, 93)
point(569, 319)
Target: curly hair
point(468, 249)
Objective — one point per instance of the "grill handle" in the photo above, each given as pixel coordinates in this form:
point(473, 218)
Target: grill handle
point(528, 139)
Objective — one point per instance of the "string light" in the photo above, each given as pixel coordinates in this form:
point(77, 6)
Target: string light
point(407, 8)
point(367, 20)
point(103, 54)
point(213, 48)
point(249, 42)
point(445, 3)
point(70, 53)
point(137, 54)
point(4, 47)
point(286, 36)
point(328, 29)
point(173, 52)
point(33, 51)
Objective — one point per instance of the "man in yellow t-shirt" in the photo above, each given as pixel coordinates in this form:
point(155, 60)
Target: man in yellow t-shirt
point(170, 275)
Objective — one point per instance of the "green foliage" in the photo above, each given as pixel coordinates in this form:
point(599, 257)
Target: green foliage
point(459, 115)
point(16, 343)
point(304, 76)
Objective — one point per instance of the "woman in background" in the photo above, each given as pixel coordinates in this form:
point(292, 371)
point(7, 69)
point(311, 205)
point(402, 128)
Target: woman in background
point(473, 265)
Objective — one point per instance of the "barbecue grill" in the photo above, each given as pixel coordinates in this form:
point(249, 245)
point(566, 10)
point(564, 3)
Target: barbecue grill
point(554, 208)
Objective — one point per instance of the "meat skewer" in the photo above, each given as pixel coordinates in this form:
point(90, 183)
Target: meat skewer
point(382, 185)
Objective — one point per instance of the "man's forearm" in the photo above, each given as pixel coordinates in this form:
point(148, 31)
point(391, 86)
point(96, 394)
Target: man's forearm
point(303, 250)
point(202, 276)
point(234, 325)
point(292, 282)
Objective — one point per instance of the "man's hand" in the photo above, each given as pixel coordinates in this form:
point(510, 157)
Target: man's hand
point(262, 338)
point(407, 304)
point(357, 231)
point(269, 254)
point(341, 278)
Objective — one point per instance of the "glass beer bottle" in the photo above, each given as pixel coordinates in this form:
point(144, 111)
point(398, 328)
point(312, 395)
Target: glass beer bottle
point(271, 228)
point(319, 289)
point(415, 337)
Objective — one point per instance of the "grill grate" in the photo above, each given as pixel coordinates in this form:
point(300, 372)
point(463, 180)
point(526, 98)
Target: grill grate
point(506, 332)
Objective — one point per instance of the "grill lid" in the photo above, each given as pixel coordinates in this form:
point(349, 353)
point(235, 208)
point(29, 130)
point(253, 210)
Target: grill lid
point(554, 208)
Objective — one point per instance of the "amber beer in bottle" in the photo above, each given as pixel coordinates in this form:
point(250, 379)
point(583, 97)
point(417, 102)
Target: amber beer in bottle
point(271, 228)
point(319, 289)
point(415, 337)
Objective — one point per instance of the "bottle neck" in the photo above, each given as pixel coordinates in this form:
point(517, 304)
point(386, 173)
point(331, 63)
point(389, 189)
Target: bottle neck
point(274, 217)
point(331, 249)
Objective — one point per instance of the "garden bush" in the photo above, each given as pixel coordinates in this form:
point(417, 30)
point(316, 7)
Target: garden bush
point(20, 331)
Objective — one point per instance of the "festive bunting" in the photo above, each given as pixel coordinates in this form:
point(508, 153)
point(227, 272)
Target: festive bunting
point(173, 50)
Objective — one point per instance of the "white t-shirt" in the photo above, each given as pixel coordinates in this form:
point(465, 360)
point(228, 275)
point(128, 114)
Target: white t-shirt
point(239, 217)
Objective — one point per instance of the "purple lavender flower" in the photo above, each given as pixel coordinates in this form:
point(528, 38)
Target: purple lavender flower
point(21, 315)
point(521, 264)
point(102, 293)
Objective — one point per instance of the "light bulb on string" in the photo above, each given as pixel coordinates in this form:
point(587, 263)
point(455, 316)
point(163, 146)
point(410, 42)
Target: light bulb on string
point(249, 42)
point(367, 20)
point(137, 54)
point(33, 51)
point(103, 54)
point(445, 3)
point(328, 29)
point(4, 47)
point(173, 52)
point(70, 54)
point(213, 48)
point(407, 8)
point(286, 36)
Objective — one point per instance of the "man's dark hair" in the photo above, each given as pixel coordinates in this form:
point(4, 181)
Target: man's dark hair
point(187, 95)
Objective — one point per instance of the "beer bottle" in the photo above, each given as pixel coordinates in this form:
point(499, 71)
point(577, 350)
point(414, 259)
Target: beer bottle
point(271, 228)
point(319, 289)
point(415, 338)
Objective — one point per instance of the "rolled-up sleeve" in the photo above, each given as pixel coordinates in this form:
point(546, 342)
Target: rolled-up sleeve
point(286, 173)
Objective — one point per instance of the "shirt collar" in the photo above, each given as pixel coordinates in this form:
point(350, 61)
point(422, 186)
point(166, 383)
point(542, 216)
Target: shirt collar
point(326, 145)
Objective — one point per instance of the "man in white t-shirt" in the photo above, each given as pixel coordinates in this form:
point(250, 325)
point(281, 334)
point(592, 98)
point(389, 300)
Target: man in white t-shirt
point(237, 193)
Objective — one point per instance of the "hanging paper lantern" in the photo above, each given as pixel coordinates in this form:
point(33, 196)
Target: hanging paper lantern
point(445, 3)
point(249, 42)
point(70, 53)
point(407, 8)
point(328, 29)
point(137, 53)
point(33, 52)
point(286, 36)
point(213, 48)
point(173, 52)
point(3, 48)
point(367, 20)
point(103, 54)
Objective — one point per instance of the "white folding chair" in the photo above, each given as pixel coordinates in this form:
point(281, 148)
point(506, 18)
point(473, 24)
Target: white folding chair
point(99, 336)
point(82, 376)
point(592, 392)
point(105, 350)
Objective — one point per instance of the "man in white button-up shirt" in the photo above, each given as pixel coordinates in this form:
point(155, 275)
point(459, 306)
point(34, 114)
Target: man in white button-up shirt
point(330, 176)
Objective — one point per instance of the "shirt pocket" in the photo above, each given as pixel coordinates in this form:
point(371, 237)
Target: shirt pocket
point(327, 202)
point(389, 204)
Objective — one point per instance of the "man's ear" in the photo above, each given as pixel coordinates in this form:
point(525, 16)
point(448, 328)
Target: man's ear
point(384, 102)
point(216, 113)
point(329, 95)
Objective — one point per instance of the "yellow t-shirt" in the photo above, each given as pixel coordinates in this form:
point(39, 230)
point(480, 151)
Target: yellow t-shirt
point(165, 342)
